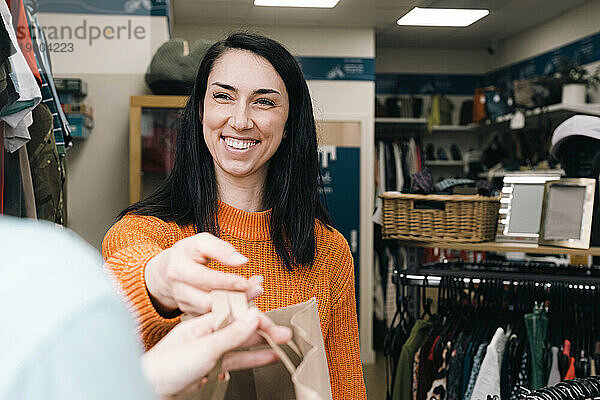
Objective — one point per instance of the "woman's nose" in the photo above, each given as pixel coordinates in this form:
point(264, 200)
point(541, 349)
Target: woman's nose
point(240, 119)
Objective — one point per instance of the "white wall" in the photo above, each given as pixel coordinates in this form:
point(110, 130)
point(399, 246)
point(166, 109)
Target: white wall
point(430, 61)
point(332, 99)
point(315, 42)
point(573, 25)
point(97, 167)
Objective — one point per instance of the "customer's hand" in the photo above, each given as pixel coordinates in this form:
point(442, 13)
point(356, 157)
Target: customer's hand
point(178, 277)
point(180, 362)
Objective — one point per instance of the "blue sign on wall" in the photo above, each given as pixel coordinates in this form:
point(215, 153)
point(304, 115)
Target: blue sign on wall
point(427, 84)
point(111, 7)
point(337, 68)
point(580, 52)
point(340, 169)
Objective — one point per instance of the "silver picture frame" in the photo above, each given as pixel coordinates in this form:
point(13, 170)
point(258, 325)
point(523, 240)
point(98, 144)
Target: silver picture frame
point(568, 225)
point(512, 226)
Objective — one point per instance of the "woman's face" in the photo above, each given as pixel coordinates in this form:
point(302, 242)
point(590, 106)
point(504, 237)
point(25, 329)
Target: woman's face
point(245, 110)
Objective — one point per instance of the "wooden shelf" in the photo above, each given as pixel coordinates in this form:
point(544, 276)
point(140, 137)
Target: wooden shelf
point(454, 128)
point(152, 101)
point(407, 121)
point(505, 247)
point(445, 163)
point(503, 173)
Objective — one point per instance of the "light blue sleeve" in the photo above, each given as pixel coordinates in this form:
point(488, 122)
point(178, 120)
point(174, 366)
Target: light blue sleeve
point(94, 355)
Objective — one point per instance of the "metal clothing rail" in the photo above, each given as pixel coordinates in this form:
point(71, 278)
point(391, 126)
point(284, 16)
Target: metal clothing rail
point(433, 277)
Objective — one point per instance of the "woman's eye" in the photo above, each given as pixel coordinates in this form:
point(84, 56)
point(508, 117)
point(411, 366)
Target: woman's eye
point(221, 96)
point(265, 102)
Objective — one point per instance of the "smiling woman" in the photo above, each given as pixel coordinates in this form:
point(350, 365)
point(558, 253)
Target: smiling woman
point(246, 170)
point(244, 116)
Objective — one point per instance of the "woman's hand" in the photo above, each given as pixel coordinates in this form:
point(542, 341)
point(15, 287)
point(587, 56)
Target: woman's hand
point(180, 362)
point(178, 278)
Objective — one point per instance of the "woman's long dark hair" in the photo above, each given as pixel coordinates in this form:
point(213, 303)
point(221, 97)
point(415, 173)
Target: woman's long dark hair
point(189, 195)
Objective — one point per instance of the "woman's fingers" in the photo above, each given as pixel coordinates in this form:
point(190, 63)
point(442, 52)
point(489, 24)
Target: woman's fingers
point(197, 327)
point(233, 335)
point(256, 288)
point(207, 247)
point(279, 334)
point(193, 301)
point(208, 279)
point(240, 360)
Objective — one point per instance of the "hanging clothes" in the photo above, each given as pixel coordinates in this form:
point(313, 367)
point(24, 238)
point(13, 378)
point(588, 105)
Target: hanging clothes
point(45, 166)
point(14, 203)
point(27, 182)
point(19, 21)
point(440, 380)
point(554, 377)
point(18, 114)
point(404, 371)
point(537, 329)
point(477, 360)
point(1, 169)
point(488, 379)
point(412, 158)
point(62, 132)
point(8, 94)
point(467, 354)
point(378, 300)
point(398, 164)
point(391, 291)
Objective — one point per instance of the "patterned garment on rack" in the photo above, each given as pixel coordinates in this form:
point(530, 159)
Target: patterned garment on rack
point(475, 370)
point(455, 369)
point(438, 389)
point(522, 377)
point(415, 379)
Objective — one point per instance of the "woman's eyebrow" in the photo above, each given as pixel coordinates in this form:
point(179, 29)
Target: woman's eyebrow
point(257, 91)
point(266, 91)
point(224, 86)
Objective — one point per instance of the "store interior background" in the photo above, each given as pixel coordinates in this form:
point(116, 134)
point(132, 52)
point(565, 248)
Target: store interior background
point(97, 167)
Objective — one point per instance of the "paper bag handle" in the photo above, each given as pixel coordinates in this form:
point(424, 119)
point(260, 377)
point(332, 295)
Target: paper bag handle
point(227, 305)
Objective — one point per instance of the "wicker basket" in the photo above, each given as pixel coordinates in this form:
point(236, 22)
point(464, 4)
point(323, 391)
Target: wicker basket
point(451, 218)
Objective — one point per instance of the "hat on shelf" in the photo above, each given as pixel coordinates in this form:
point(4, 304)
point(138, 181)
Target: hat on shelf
point(577, 125)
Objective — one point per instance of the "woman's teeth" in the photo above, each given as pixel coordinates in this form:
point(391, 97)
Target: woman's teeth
point(239, 144)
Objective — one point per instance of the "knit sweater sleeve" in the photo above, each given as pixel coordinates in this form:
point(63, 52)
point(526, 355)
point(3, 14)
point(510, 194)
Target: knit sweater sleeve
point(341, 343)
point(127, 248)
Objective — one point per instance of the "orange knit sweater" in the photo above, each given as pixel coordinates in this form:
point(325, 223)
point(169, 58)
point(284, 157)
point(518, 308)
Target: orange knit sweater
point(134, 240)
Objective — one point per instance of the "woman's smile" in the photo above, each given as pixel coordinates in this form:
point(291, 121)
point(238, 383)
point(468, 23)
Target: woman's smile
point(239, 145)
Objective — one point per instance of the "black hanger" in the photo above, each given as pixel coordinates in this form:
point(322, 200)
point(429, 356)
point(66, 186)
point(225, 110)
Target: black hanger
point(426, 302)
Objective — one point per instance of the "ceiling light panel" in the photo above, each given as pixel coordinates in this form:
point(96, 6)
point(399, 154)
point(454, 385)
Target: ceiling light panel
point(457, 17)
point(297, 3)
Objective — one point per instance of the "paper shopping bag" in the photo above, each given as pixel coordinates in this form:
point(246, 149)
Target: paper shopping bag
point(301, 373)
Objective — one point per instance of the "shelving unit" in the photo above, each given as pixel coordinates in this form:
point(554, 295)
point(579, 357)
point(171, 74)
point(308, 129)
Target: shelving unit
point(505, 247)
point(444, 163)
point(136, 104)
point(556, 112)
point(503, 173)
point(470, 128)
point(403, 121)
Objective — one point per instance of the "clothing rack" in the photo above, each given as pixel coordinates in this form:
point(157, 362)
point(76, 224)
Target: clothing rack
point(484, 309)
point(433, 277)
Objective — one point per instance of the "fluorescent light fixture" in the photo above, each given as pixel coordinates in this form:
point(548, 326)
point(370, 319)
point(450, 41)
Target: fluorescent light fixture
point(441, 17)
point(297, 3)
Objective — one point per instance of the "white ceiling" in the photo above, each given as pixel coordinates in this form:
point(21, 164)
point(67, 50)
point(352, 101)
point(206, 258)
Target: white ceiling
point(507, 18)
